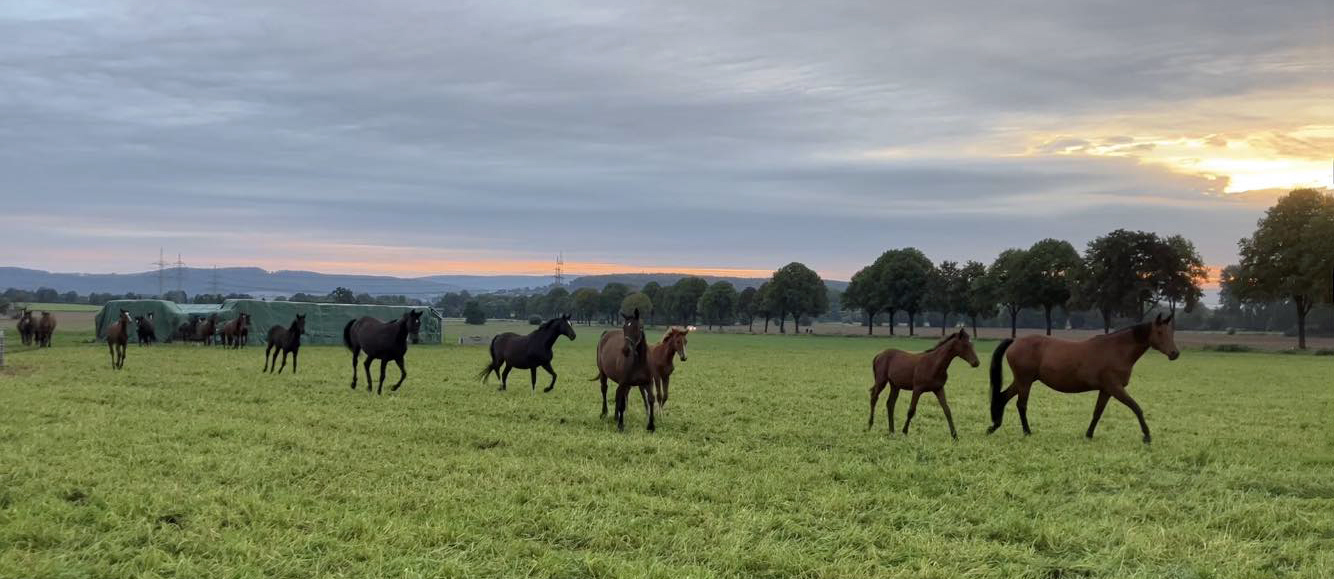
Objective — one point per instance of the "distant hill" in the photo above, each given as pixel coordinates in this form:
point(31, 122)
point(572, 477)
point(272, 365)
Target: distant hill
point(665, 279)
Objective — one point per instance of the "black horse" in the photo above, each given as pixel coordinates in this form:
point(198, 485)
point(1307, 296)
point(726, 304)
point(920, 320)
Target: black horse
point(527, 352)
point(284, 340)
point(144, 327)
point(383, 340)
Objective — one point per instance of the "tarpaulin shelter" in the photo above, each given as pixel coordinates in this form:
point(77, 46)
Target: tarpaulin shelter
point(324, 322)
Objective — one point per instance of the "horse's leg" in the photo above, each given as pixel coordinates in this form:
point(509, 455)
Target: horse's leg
point(875, 398)
point(890, 404)
point(121, 362)
point(1005, 397)
point(1103, 397)
point(662, 393)
point(622, 392)
point(940, 396)
point(505, 376)
point(646, 392)
point(1119, 392)
point(552, 386)
point(383, 363)
point(402, 373)
point(1022, 405)
point(111, 348)
point(355, 354)
point(533, 372)
point(294, 356)
point(912, 409)
point(370, 384)
point(603, 378)
point(267, 350)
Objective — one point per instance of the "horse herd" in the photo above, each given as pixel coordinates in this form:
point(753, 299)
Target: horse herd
point(1102, 363)
point(36, 331)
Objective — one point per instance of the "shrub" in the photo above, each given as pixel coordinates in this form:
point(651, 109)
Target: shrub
point(1230, 348)
point(1231, 331)
point(534, 320)
point(473, 314)
point(1325, 352)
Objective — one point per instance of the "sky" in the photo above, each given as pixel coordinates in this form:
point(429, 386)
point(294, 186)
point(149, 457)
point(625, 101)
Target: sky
point(418, 137)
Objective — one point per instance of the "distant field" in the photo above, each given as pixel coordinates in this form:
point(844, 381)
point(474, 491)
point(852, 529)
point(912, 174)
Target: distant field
point(189, 463)
point(39, 307)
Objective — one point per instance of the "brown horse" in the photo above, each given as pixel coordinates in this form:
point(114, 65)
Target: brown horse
point(385, 341)
point(44, 329)
point(118, 336)
point(205, 330)
point(660, 363)
point(144, 327)
point(287, 341)
point(236, 332)
point(622, 356)
point(924, 372)
point(26, 327)
point(1101, 363)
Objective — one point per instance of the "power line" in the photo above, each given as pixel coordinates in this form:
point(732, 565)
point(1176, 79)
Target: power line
point(560, 267)
point(180, 274)
point(161, 264)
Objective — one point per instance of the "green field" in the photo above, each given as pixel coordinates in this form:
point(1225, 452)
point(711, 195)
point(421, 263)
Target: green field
point(190, 463)
point(36, 307)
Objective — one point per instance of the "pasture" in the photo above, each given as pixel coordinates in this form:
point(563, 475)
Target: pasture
point(190, 463)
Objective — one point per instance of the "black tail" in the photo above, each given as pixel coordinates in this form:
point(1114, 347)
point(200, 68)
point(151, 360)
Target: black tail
point(998, 376)
point(347, 334)
point(485, 374)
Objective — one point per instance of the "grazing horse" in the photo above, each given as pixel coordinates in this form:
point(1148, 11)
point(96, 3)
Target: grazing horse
point(44, 329)
point(27, 328)
point(622, 356)
point(383, 340)
point(118, 336)
point(918, 373)
point(236, 332)
point(1101, 363)
point(204, 330)
point(144, 327)
point(530, 352)
point(286, 340)
point(673, 345)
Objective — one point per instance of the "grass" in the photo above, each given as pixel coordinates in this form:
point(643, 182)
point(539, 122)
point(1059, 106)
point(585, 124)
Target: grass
point(189, 463)
point(41, 307)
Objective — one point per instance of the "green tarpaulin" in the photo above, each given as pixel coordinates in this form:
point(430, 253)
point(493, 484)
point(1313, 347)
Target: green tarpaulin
point(324, 322)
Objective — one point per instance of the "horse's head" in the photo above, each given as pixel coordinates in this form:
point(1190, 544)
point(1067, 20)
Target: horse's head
point(633, 331)
point(962, 346)
point(245, 320)
point(676, 340)
point(413, 319)
point(565, 328)
point(125, 317)
point(299, 324)
point(1162, 336)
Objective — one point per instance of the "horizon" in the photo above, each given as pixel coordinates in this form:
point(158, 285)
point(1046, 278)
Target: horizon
point(655, 138)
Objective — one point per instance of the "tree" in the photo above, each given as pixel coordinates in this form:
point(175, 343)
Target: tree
point(47, 295)
point(177, 296)
point(365, 298)
point(1052, 270)
point(613, 294)
point(340, 295)
point(70, 297)
point(979, 294)
point(746, 306)
point(473, 313)
point(904, 275)
point(1119, 275)
point(1183, 273)
point(945, 294)
point(865, 292)
point(685, 296)
point(587, 303)
point(796, 289)
point(637, 300)
point(1290, 257)
point(1010, 283)
point(764, 303)
point(718, 304)
point(652, 290)
point(556, 302)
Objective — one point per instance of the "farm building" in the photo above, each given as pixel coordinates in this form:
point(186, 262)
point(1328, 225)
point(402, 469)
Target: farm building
point(324, 322)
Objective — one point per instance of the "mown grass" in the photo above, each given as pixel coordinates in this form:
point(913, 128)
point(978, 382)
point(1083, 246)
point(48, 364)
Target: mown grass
point(189, 463)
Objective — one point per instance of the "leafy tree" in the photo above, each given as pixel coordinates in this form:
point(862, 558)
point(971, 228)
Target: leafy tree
point(1291, 255)
point(865, 292)
point(341, 295)
point(904, 275)
point(557, 302)
point(613, 294)
point(653, 290)
point(473, 313)
point(1010, 282)
point(70, 297)
point(1118, 274)
point(1183, 273)
point(47, 295)
point(746, 306)
point(4, 306)
point(587, 303)
point(764, 303)
point(945, 292)
point(365, 298)
point(685, 297)
point(1053, 269)
point(718, 304)
point(797, 290)
point(979, 294)
point(637, 300)
point(177, 296)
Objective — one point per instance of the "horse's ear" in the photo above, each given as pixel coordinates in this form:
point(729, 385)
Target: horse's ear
point(963, 333)
point(636, 313)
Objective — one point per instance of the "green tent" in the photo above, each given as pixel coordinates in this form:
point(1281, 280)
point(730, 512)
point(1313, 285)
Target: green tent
point(324, 322)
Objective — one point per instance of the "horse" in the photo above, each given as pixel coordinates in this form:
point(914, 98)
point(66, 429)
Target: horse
point(622, 356)
point(186, 331)
point(924, 372)
point(204, 330)
point(144, 327)
point(383, 340)
point(118, 336)
point(673, 345)
point(286, 340)
point(527, 352)
point(236, 332)
point(1101, 363)
point(26, 327)
point(44, 328)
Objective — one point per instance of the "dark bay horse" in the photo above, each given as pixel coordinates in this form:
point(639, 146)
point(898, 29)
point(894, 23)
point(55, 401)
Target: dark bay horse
point(204, 330)
point(143, 326)
point(26, 327)
point(236, 332)
point(383, 340)
point(118, 337)
point(660, 360)
point(622, 357)
point(918, 373)
point(530, 352)
point(1101, 363)
point(286, 340)
point(43, 329)
point(186, 331)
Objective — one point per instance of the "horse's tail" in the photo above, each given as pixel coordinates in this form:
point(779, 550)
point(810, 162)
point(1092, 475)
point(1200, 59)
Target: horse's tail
point(347, 334)
point(998, 376)
point(485, 374)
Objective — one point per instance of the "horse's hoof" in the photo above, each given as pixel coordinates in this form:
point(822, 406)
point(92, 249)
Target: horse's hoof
point(1147, 440)
point(548, 389)
point(652, 428)
point(992, 429)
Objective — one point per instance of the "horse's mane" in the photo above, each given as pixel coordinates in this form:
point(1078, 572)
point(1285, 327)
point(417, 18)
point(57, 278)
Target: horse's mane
point(1141, 331)
point(942, 342)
